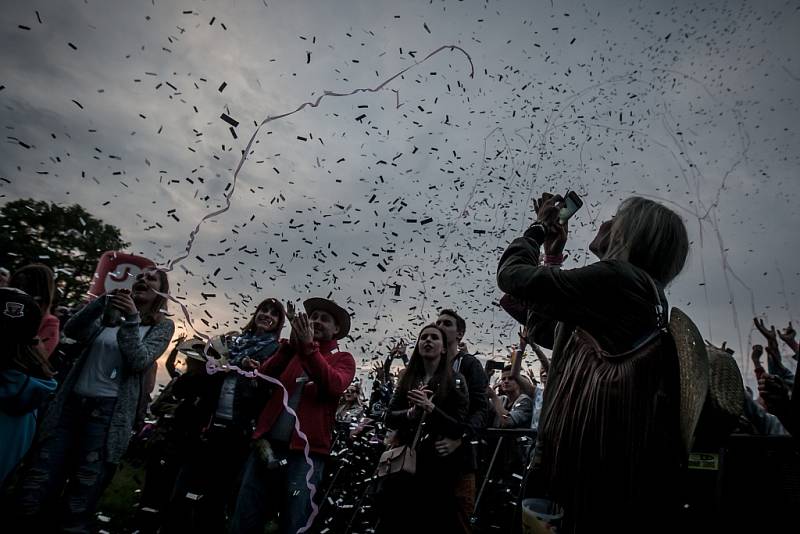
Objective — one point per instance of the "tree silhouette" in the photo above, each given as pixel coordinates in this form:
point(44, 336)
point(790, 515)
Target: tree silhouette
point(67, 239)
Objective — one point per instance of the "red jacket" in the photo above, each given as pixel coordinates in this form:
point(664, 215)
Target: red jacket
point(329, 373)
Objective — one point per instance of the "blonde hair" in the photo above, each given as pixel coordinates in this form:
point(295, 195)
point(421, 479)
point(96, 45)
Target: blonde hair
point(650, 236)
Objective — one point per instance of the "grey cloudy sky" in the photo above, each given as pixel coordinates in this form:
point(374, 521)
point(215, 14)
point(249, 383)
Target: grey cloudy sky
point(694, 104)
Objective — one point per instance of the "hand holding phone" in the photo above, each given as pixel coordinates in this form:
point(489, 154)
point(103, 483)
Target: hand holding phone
point(572, 203)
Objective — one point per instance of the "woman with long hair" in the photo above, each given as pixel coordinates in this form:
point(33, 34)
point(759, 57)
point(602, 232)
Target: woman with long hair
point(38, 281)
point(26, 378)
point(609, 450)
point(351, 407)
point(88, 425)
point(217, 415)
point(429, 389)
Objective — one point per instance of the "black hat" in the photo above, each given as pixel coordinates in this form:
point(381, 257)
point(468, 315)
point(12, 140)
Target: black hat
point(338, 313)
point(20, 317)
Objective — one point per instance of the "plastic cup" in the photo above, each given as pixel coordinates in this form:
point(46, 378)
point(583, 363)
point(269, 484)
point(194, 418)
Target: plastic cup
point(541, 516)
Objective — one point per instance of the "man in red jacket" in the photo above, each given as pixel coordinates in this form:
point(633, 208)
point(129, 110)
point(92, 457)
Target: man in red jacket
point(315, 374)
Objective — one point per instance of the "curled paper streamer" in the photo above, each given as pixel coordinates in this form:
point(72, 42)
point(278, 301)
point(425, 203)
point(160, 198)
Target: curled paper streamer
point(211, 364)
point(313, 104)
point(212, 367)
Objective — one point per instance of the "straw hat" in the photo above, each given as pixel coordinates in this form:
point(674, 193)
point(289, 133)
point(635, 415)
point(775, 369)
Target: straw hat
point(726, 386)
point(694, 372)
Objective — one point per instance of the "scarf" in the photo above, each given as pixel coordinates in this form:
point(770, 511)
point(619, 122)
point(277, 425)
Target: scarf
point(249, 345)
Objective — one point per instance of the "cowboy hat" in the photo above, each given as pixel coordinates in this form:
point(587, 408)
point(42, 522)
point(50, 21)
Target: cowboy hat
point(694, 372)
point(338, 313)
point(726, 386)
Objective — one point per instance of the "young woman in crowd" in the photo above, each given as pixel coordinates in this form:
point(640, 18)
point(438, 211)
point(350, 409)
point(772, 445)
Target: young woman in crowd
point(350, 407)
point(38, 281)
point(88, 425)
point(218, 411)
point(512, 407)
point(25, 376)
point(425, 502)
point(611, 456)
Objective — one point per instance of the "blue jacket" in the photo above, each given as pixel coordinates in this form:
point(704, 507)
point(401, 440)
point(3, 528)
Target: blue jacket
point(20, 396)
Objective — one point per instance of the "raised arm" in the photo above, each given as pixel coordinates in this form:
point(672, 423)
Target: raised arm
point(81, 325)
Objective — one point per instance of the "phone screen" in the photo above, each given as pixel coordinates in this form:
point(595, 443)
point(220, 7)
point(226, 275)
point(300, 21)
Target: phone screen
point(572, 203)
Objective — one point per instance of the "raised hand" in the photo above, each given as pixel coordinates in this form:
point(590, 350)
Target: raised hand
point(788, 336)
point(547, 208)
point(121, 299)
point(531, 375)
point(302, 330)
point(774, 393)
point(523, 336)
point(399, 349)
point(769, 334)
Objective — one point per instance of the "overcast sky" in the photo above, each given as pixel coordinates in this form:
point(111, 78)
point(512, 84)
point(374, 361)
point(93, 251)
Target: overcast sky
point(116, 105)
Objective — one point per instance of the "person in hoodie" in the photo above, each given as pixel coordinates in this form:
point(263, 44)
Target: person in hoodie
point(25, 376)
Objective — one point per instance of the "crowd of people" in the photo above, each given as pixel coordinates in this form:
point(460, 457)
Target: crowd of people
point(257, 429)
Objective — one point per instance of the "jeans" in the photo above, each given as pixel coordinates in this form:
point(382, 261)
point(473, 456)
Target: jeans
point(76, 454)
point(265, 491)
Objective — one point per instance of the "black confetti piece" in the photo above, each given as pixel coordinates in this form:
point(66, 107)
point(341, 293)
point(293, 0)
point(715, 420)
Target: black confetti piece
point(229, 120)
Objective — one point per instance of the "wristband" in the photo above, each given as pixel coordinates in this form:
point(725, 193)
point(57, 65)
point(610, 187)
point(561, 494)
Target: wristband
point(553, 260)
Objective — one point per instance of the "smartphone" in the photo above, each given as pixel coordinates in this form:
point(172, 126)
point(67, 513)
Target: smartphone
point(492, 365)
point(572, 203)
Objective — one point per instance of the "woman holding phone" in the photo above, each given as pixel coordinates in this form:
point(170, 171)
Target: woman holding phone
point(92, 416)
point(610, 448)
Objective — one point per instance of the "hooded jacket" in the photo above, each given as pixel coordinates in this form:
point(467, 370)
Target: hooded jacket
point(20, 396)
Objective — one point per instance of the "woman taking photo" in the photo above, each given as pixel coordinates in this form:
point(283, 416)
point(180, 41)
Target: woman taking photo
point(91, 418)
point(429, 389)
point(218, 413)
point(609, 449)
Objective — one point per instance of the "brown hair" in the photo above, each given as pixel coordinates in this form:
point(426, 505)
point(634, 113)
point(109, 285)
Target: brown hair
point(157, 308)
point(29, 359)
point(38, 281)
point(270, 304)
point(461, 324)
point(443, 377)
